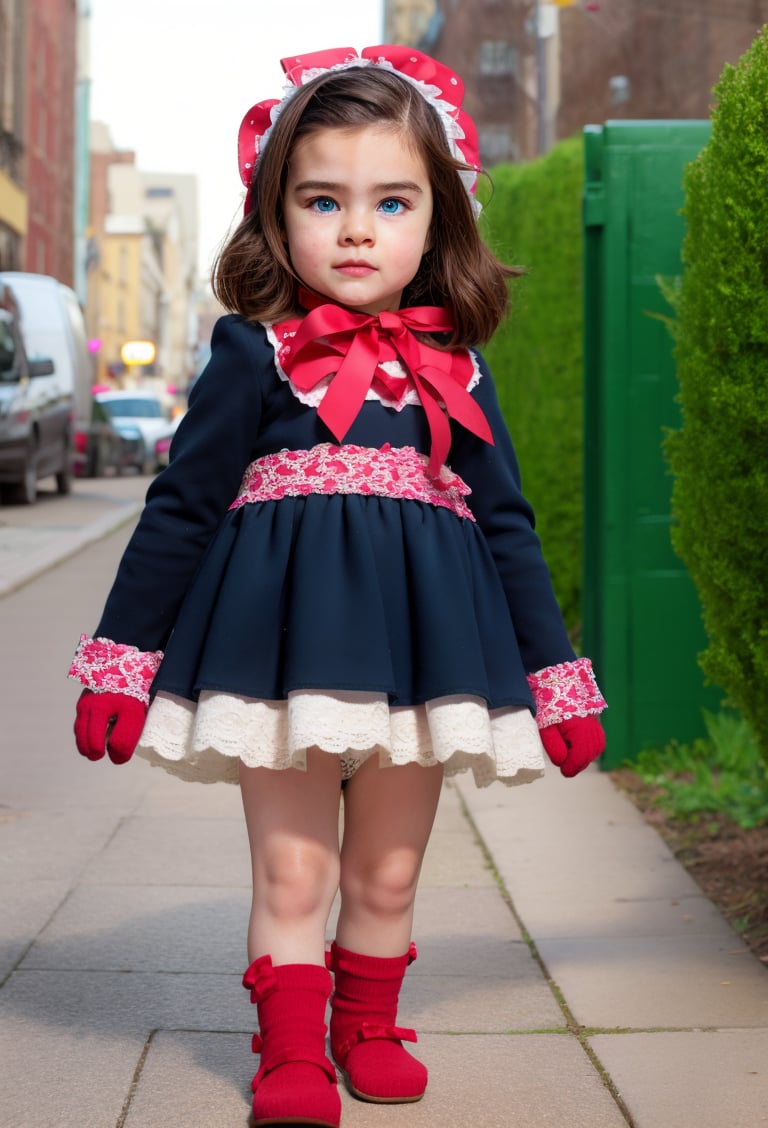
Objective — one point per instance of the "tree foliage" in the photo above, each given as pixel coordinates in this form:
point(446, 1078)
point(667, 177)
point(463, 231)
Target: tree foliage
point(720, 455)
point(534, 220)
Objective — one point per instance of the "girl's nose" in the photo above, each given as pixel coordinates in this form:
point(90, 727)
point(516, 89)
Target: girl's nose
point(356, 231)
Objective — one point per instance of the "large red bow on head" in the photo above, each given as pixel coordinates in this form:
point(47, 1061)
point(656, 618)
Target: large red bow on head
point(438, 84)
point(351, 346)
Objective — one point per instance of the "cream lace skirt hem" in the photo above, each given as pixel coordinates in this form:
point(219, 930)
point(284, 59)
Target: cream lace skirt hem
point(207, 741)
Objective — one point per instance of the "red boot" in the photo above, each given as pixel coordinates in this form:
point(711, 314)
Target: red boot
point(366, 1043)
point(296, 1083)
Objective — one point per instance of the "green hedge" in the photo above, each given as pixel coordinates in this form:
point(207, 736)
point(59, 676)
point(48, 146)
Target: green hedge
point(534, 220)
point(720, 456)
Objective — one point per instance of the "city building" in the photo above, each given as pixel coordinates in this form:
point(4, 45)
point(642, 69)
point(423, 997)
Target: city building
point(49, 137)
point(536, 71)
point(13, 195)
point(141, 258)
point(82, 157)
point(654, 59)
point(73, 207)
point(43, 135)
point(410, 21)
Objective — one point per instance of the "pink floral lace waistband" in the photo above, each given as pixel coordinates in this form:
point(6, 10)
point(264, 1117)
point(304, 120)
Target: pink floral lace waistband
point(396, 472)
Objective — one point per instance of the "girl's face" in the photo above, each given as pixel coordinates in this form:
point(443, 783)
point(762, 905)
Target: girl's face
point(358, 209)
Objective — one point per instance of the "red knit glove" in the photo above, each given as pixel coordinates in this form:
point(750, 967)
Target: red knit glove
point(110, 722)
point(572, 745)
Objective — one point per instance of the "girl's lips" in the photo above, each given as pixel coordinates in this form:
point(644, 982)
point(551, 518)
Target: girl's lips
point(355, 269)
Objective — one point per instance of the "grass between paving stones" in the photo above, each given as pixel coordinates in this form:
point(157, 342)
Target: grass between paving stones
point(709, 801)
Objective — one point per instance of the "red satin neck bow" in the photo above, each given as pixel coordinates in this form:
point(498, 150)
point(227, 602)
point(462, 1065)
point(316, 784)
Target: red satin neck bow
point(351, 347)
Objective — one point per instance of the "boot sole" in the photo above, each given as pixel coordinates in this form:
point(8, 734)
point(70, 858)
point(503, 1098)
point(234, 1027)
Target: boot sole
point(385, 1100)
point(272, 1123)
point(380, 1100)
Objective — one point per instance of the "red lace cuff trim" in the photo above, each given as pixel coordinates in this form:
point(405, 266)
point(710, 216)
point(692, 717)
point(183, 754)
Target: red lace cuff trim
point(566, 690)
point(397, 472)
point(114, 667)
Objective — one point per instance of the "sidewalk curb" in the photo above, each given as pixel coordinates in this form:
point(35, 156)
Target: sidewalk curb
point(63, 547)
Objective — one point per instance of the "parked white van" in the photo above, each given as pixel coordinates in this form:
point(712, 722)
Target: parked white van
point(38, 412)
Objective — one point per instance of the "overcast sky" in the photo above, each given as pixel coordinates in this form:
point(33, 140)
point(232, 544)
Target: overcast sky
point(173, 78)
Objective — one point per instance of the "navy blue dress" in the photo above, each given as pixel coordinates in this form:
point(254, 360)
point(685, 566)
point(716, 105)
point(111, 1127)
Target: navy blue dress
point(331, 591)
point(339, 591)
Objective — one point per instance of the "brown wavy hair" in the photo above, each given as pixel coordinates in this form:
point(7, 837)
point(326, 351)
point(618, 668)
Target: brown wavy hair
point(253, 275)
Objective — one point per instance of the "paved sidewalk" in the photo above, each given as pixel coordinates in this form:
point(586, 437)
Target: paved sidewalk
point(571, 974)
point(34, 538)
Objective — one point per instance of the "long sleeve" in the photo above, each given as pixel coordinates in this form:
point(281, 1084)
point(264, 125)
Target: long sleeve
point(185, 503)
point(508, 522)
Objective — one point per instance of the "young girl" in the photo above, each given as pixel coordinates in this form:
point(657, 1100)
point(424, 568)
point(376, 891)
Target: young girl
point(313, 595)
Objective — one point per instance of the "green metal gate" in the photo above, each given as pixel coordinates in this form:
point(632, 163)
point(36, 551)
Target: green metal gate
point(642, 620)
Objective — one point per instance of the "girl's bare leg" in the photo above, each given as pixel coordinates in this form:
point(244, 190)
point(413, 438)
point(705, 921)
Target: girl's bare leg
point(293, 828)
point(388, 817)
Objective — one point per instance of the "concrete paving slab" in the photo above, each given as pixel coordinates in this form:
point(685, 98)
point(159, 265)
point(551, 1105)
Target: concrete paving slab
point(501, 1082)
point(453, 857)
point(463, 930)
point(588, 800)
point(168, 797)
point(672, 981)
point(470, 935)
point(41, 768)
point(29, 547)
point(70, 1042)
point(611, 851)
point(154, 928)
point(45, 776)
point(73, 1080)
point(26, 909)
point(114, 1005)
point(620, 925)
point(201, 1080)
point(587, 914)
point(452, 860)
point(619, 879)
point(690, 1079)
point(498, 1082)
point(632, 862)
point(463, 1004)
point(52, 845)
point(174, 851)
point(450, 811)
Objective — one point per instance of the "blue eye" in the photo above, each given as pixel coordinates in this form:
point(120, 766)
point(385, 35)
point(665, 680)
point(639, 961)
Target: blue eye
point(324, 204)
point(391, 206)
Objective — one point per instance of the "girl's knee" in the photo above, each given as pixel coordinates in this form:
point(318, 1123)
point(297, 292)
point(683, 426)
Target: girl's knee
point(383, 887)
point(298, 882)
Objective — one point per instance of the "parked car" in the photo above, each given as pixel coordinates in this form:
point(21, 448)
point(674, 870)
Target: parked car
point(129, 412)
point(35, 416)
point(45, 405)
point(103, 444)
